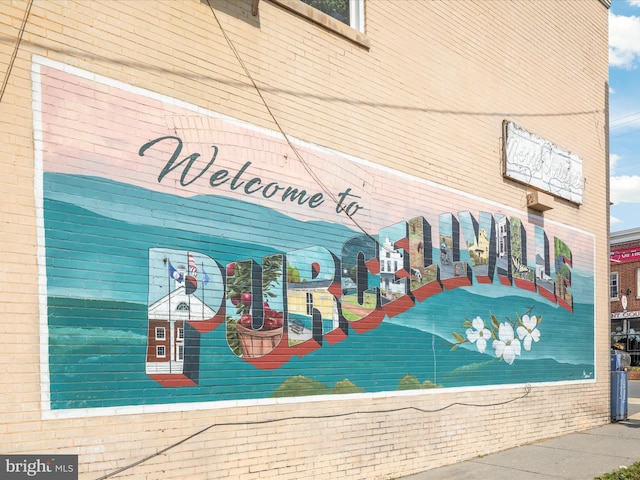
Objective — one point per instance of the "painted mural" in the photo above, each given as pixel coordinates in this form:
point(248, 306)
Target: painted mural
point(188, 257)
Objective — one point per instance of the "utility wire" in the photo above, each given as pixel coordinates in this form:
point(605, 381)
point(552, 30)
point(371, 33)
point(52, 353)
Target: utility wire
point(626, 133)
point(625, 116)
point(306, 166)
point(526, 393)
point(15, 50)
point(332, 196)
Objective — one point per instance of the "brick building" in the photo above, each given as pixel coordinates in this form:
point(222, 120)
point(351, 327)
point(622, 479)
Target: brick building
point(624, 291)
point(271, 241)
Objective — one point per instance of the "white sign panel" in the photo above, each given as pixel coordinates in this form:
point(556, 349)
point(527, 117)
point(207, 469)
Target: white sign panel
point(621, 315)
point(534, 161)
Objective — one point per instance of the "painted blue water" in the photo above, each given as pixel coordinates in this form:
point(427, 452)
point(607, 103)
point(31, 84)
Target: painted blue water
point(98, 234)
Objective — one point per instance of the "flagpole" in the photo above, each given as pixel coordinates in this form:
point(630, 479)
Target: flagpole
point(169, 303)
point(203, 285)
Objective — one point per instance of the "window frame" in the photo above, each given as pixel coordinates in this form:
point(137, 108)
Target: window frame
point(353, 32)
point(161, 333)
point(612, 276)
point(183, 307)
point(355, 11)
point(159, 349)
point(309, 303)
point(356, 15)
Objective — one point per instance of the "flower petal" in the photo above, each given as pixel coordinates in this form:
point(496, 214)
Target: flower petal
point(482, 345)
point(535, 335)
point(472, 335)
point(478, 323)
point(509, 355)
point(530, 322)
point(522, 332)
point(515, 346)
point(505, 332)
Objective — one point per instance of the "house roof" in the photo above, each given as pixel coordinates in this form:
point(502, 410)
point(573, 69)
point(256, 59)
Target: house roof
point(177, 305)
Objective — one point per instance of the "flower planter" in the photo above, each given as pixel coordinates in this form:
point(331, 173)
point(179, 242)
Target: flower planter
point(634, 374)
point(257, 343)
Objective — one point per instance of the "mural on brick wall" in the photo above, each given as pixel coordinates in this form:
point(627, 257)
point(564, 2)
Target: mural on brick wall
point(189, 257)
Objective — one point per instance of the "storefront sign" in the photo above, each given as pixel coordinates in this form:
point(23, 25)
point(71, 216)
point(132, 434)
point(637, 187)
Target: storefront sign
point(621, 315)
point(624, 255)
point(534, 161)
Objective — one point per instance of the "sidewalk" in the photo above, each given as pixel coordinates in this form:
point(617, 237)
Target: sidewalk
point(579, 456)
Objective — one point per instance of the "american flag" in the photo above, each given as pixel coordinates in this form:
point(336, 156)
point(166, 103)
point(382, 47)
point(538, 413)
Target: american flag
point(193, 270)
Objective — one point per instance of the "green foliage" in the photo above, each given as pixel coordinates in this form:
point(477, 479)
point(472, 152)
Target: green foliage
point(629, 473)
point(242, 279)
point(495, 323)
point(561, 248)
point(429, 384)
point(240, 283)
point(299, 386)
point(345, 386)
point(459, 338)
point(477, 259)
point(564, 272)
point(232, 337)
point(293, 274)
point(370, 300)
point(516, 235)
point(271, 273)
point(410, 382)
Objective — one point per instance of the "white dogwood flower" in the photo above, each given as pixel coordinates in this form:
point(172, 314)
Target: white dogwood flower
point(478, 334)
point(507, 346)
point(528, 332)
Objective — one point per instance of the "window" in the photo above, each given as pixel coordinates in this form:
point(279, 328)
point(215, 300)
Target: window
point(161, 352)
point(180, 353)
point(613, 286)
point(180, 333)
point(330, 14)
point(502, 239)
point(309, 303)
point(182, 307)
point(349, 12)
point(160, 333)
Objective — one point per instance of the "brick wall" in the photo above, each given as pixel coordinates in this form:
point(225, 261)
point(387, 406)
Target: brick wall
point(426, 96)
point(627, 279)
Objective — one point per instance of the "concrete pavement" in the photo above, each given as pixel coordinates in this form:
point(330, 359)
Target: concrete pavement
point(579, 456)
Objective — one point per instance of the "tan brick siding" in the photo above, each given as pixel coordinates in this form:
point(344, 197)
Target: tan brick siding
point(428, 97)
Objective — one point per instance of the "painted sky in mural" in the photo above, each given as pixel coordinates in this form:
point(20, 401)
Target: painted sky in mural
point(192, 258)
